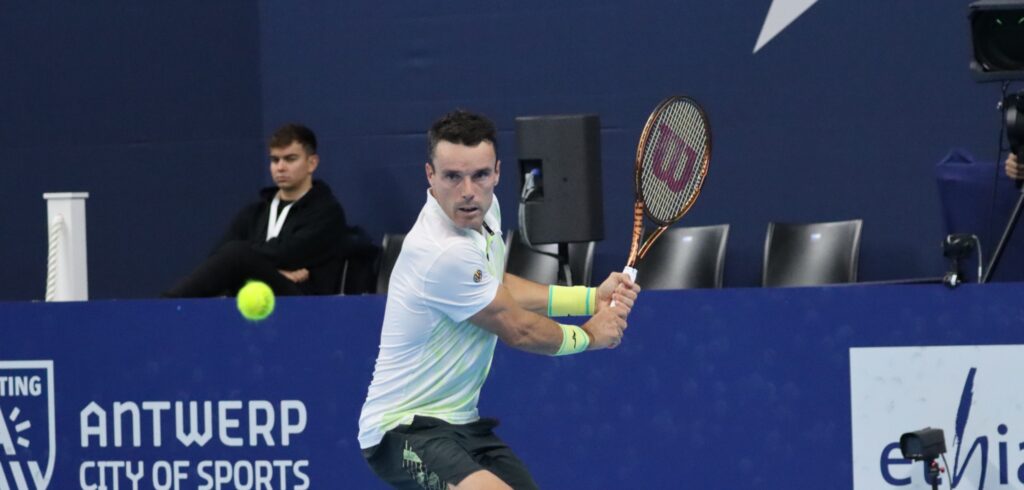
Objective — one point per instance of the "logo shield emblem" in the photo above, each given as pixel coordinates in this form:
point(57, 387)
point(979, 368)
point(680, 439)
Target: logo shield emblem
point(27, 432)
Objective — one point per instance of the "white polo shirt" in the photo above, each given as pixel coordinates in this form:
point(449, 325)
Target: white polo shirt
point(432, 361)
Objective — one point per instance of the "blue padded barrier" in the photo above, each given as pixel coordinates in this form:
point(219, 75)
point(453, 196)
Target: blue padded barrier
point(734, 388)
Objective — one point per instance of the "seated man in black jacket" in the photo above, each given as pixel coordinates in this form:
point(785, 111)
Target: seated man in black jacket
point(290, 239)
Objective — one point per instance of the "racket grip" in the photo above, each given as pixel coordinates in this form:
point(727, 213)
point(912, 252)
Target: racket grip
point(629, 271)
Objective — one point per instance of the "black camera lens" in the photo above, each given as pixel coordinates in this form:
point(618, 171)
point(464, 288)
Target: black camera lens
point(999, 39)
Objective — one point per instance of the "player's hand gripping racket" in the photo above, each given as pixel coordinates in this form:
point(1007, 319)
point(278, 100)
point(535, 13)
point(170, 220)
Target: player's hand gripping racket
point(671, 163)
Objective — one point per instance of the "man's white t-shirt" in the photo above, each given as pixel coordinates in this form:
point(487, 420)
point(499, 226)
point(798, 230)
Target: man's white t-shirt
point(432, 361)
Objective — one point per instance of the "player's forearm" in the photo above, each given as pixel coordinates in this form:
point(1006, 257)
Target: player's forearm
point(528, 294)
point(533, 333)
point(551, 301)
point(528, 331)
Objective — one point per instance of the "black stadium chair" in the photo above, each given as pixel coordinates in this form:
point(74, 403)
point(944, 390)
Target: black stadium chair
point(811, 254)
point(392, 247)
point(361, 259)
point(540, 264)
point(685, 258)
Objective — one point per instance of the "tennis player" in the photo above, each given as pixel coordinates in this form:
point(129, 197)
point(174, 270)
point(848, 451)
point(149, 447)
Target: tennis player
point(449, 301)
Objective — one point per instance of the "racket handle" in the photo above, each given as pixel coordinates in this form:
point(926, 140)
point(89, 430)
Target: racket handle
point(629, 271)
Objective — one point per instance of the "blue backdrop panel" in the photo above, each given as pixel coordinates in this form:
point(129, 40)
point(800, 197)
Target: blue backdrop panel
point(836, 118)
point(712, 389)
point(154, 109)
point(841, 116)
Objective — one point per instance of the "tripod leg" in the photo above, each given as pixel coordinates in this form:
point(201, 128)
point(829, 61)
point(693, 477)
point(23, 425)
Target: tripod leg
point(1007, 233)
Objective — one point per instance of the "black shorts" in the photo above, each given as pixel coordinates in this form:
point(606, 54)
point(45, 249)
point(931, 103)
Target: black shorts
point(430, 453)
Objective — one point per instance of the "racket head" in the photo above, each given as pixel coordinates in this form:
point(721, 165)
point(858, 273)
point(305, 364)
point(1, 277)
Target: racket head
point(672, 159)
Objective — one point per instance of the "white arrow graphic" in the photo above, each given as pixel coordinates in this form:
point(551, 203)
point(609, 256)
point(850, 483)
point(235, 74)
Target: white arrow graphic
point(780, 15)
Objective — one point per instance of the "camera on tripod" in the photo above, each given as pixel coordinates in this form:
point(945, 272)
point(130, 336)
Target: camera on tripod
point(925, 445)
point(997, 42)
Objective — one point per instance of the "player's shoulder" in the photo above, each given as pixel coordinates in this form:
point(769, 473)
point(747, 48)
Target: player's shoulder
point(439, 243)
point(438, 249)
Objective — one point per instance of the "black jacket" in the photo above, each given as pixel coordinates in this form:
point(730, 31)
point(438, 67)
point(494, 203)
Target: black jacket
point(311, 237)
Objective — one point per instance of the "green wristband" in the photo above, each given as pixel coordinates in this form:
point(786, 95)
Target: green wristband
point(574, 340)
point(571, 301)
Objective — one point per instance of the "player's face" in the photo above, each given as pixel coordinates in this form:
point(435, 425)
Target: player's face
point(462, 179)
point(292, 168)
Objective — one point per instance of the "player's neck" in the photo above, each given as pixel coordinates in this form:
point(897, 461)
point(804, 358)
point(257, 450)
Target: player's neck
point(295, 193)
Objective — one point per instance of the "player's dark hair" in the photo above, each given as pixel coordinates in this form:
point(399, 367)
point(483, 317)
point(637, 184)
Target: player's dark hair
point(463, 128)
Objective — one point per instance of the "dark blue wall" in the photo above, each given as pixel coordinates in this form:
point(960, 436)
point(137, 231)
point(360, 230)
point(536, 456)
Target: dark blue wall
point(160, 111)
point(842, 116)
point(154, 109)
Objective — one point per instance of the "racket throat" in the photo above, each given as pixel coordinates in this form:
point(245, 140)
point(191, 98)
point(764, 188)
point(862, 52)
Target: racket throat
point(650, 241)
point(638, 233)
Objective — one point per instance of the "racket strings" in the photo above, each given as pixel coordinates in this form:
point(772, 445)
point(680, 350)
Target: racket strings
point(674, 161)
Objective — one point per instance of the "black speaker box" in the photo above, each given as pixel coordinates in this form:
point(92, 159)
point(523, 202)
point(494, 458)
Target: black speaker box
point(565, 152)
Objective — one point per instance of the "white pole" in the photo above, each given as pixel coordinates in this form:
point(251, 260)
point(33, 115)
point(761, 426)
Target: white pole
point(67, 269)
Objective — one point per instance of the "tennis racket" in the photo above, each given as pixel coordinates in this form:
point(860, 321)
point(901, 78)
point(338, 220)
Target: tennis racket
point(671, 164)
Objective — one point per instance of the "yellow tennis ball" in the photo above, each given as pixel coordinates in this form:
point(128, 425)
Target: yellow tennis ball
point(255, 300)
